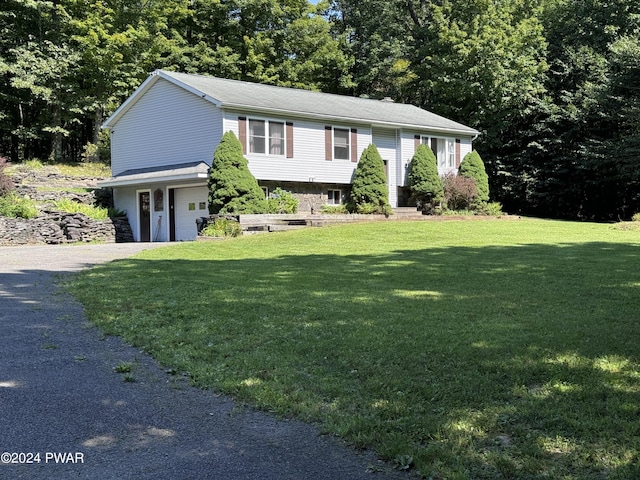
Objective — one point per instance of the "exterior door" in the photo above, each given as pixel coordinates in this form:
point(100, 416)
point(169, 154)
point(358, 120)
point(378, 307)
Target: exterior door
point(144, 216)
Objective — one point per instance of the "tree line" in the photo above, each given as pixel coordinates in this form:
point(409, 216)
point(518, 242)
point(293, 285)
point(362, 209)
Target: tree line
point(553, 85)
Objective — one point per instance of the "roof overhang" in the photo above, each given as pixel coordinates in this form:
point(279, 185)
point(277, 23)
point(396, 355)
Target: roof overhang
point(168, 173)
point(243, 108)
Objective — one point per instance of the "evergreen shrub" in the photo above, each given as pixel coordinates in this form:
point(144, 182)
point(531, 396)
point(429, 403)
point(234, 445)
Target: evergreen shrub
point(232, 187)
point(369, 192)
point(424, 182)
point(472, 167)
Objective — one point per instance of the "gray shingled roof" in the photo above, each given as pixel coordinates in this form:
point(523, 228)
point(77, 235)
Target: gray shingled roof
point(254, 96)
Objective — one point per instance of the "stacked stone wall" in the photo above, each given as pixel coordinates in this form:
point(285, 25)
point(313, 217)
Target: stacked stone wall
point(54, 228)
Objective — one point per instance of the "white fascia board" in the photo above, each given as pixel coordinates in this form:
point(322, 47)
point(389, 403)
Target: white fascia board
point(137, 180)
point(343, 119)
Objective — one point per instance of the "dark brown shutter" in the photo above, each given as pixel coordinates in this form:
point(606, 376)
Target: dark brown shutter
point(434, 146)
point(328, 143)
point(416, 142)
point(354, 144)
point(242, 133)
point(289, 139)
point(457, 153)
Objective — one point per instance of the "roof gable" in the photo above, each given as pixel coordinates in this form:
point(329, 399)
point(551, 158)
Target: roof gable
point(247, 96)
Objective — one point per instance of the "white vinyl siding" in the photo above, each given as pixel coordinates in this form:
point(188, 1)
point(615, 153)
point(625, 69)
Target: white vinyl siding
point(308, 163)
point(387, 144)
point(166, 126)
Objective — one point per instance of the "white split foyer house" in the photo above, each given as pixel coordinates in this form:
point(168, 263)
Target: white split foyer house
point(164, 135)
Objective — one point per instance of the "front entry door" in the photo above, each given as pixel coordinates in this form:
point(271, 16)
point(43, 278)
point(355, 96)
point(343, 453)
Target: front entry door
point(144, 201)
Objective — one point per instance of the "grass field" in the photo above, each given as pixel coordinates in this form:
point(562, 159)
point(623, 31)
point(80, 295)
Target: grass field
point(458, 349)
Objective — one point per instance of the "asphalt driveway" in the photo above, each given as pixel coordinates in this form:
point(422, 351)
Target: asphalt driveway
point(65, 413)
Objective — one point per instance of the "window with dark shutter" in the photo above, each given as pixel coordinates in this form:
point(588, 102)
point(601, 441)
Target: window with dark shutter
point(242, 133)
point(328, 143)
point(289, 139)
point(354, 145)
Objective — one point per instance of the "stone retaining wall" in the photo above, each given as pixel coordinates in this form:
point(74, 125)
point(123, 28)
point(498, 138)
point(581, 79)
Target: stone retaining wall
point(57, 227)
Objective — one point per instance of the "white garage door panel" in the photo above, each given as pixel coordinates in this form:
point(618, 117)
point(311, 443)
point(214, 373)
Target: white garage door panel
point(188, 203)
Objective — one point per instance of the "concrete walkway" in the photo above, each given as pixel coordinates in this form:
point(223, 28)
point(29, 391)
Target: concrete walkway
point(65, 410)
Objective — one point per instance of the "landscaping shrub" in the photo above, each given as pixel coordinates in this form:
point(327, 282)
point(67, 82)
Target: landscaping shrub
point(14, 206)
point(6, 184)
point(222, 227)
point(636, 217)
point(369, 193)
point(232, 187)
point(69, 206)
point(282, 201)
point(472, 167)
point(334, 209)
point(459, 192)
point(493, 209)
point(424, 182)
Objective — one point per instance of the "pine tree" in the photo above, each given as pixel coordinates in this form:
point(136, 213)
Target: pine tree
point(472, 167)
point(424, 182)
point(369, 192)
point(232, 187)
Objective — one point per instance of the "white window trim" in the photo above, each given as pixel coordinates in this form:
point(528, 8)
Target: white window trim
point(266, 121)
point(339, 196)
point(333, 143)
point(442, 163)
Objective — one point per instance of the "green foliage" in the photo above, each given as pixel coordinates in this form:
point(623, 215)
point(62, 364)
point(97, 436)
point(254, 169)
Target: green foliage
point(232, 187)
point(70, 206)
point(334, 209)
point(472, 167)
point(14, 206)
point(282, 201)
point(424, 182)
point(636, 217)
point(493, 209)
point(369, 192)
point(222, 227)
point(460, 193)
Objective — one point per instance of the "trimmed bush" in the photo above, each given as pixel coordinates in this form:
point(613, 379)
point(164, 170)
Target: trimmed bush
point(424, 182)
point(460, 192)
point(232, 187)
point(635, 217)
point(282, 201)
point(369, 192)
point(472, 167)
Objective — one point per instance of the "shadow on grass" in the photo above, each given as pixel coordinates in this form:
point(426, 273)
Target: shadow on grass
point(518, 361)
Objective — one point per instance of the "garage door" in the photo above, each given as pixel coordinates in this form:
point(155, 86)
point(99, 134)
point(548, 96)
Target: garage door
point(190, 204)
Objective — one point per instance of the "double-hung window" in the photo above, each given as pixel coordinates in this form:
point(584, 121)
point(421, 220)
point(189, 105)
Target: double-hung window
point(443, 148)
point(266, 137)
point(341, 144)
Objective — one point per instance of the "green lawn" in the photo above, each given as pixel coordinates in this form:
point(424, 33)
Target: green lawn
point(460, 349)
